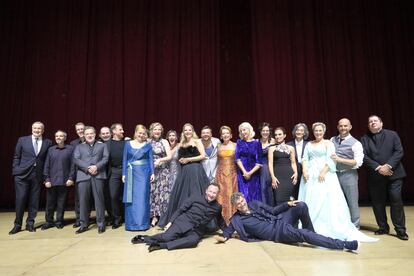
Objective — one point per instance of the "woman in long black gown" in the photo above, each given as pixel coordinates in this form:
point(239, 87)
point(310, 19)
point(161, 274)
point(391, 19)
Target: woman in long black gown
point(282, 167)
point(192, 178)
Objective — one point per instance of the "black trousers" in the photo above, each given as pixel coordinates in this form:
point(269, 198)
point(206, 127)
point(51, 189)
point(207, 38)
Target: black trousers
point(113, 199)
point(27, 192)
point(381, 187)
point(55, 201)
point(175, 238)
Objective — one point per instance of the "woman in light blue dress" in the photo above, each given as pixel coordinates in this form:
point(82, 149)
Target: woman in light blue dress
point(137, 173)
point(321, 191)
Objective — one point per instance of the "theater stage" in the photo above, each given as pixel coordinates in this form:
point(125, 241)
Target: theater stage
point(61, 252)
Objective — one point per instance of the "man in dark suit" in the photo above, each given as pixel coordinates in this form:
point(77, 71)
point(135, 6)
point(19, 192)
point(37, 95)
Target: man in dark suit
point(79, 128)
point(382, 156)
point(28, 161)
point(258, 221)
point(188, 223)
point(300, 133)
point(91, 159)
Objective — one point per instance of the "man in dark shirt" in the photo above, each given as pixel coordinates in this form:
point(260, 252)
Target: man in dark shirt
point(114, 188)
point(188, 223)
point(59, 174)
point(258, 221)
point(79, 128)
point(104, 134)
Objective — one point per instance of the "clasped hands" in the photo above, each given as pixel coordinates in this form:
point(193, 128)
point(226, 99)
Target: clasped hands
point(321, 177)
point(247, 175)
point(93, 169)
point(69, 183)
point(385, 170)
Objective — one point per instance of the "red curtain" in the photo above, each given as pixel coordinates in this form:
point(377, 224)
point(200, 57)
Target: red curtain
point(206, 62)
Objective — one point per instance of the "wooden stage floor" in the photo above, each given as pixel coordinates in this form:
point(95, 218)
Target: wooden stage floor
point(61, 252)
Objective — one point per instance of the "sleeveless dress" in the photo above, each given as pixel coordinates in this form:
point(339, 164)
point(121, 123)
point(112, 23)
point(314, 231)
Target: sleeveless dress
point(250, 154)
point(161, 187)
point(282, 168)
point(265, 179)
point(226, 179)
point(137, 167)
point(192, 179)
point(328, 209)
point(174, 168)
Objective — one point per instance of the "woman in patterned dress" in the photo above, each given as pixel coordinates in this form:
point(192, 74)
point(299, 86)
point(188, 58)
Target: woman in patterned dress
point(161, 187)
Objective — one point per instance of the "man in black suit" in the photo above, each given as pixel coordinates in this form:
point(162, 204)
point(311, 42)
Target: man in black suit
point(382, 156)
point(256, 221)
point(91, 159)
point(300, 134)
point(188, 223)
point(28, 161)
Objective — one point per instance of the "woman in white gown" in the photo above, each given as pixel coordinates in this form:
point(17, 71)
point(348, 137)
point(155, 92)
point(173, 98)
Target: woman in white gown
point(321, 191)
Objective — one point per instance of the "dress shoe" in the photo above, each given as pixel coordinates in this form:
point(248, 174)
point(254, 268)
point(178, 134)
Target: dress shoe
point(81, 230)
point(15, 230)
point(101, 229)
point(59, 225)
point(116, 225)
point(351, 245)
point(77, 224)
point(382, 231)
point(138, 239)
point(30, 228)
point(47, 225)
point(402, 236)
point(153, 247)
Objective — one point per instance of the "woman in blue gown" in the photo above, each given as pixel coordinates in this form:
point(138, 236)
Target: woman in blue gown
point(249, 161)
point(137, 173)
point(321, 191)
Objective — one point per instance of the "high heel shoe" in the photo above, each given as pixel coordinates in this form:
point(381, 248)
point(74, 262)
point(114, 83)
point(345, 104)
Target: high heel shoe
point(154, 221)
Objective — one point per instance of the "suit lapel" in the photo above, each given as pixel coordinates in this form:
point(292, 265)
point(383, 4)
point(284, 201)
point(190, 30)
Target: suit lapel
point(30, 144)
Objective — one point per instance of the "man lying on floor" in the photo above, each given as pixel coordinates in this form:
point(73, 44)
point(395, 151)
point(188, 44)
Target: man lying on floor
point(188, 224)
point(258, 221)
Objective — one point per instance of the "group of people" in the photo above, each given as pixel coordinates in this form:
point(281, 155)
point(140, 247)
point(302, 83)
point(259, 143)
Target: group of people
point(161, 180)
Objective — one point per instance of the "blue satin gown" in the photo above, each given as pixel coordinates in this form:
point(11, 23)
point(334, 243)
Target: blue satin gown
point(137, 167)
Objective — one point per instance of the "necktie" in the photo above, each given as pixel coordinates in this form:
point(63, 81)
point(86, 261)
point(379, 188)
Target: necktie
point(341, 140)
point(36, 146)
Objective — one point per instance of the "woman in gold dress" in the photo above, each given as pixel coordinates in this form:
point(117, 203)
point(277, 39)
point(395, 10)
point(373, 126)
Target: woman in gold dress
point(226, 176)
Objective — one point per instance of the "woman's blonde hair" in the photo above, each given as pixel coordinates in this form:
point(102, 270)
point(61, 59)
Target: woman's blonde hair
point(183, 141)
point(138, 128)
point(224, 128)
point(151, 129)
point(319, 124)
point(249, 127)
